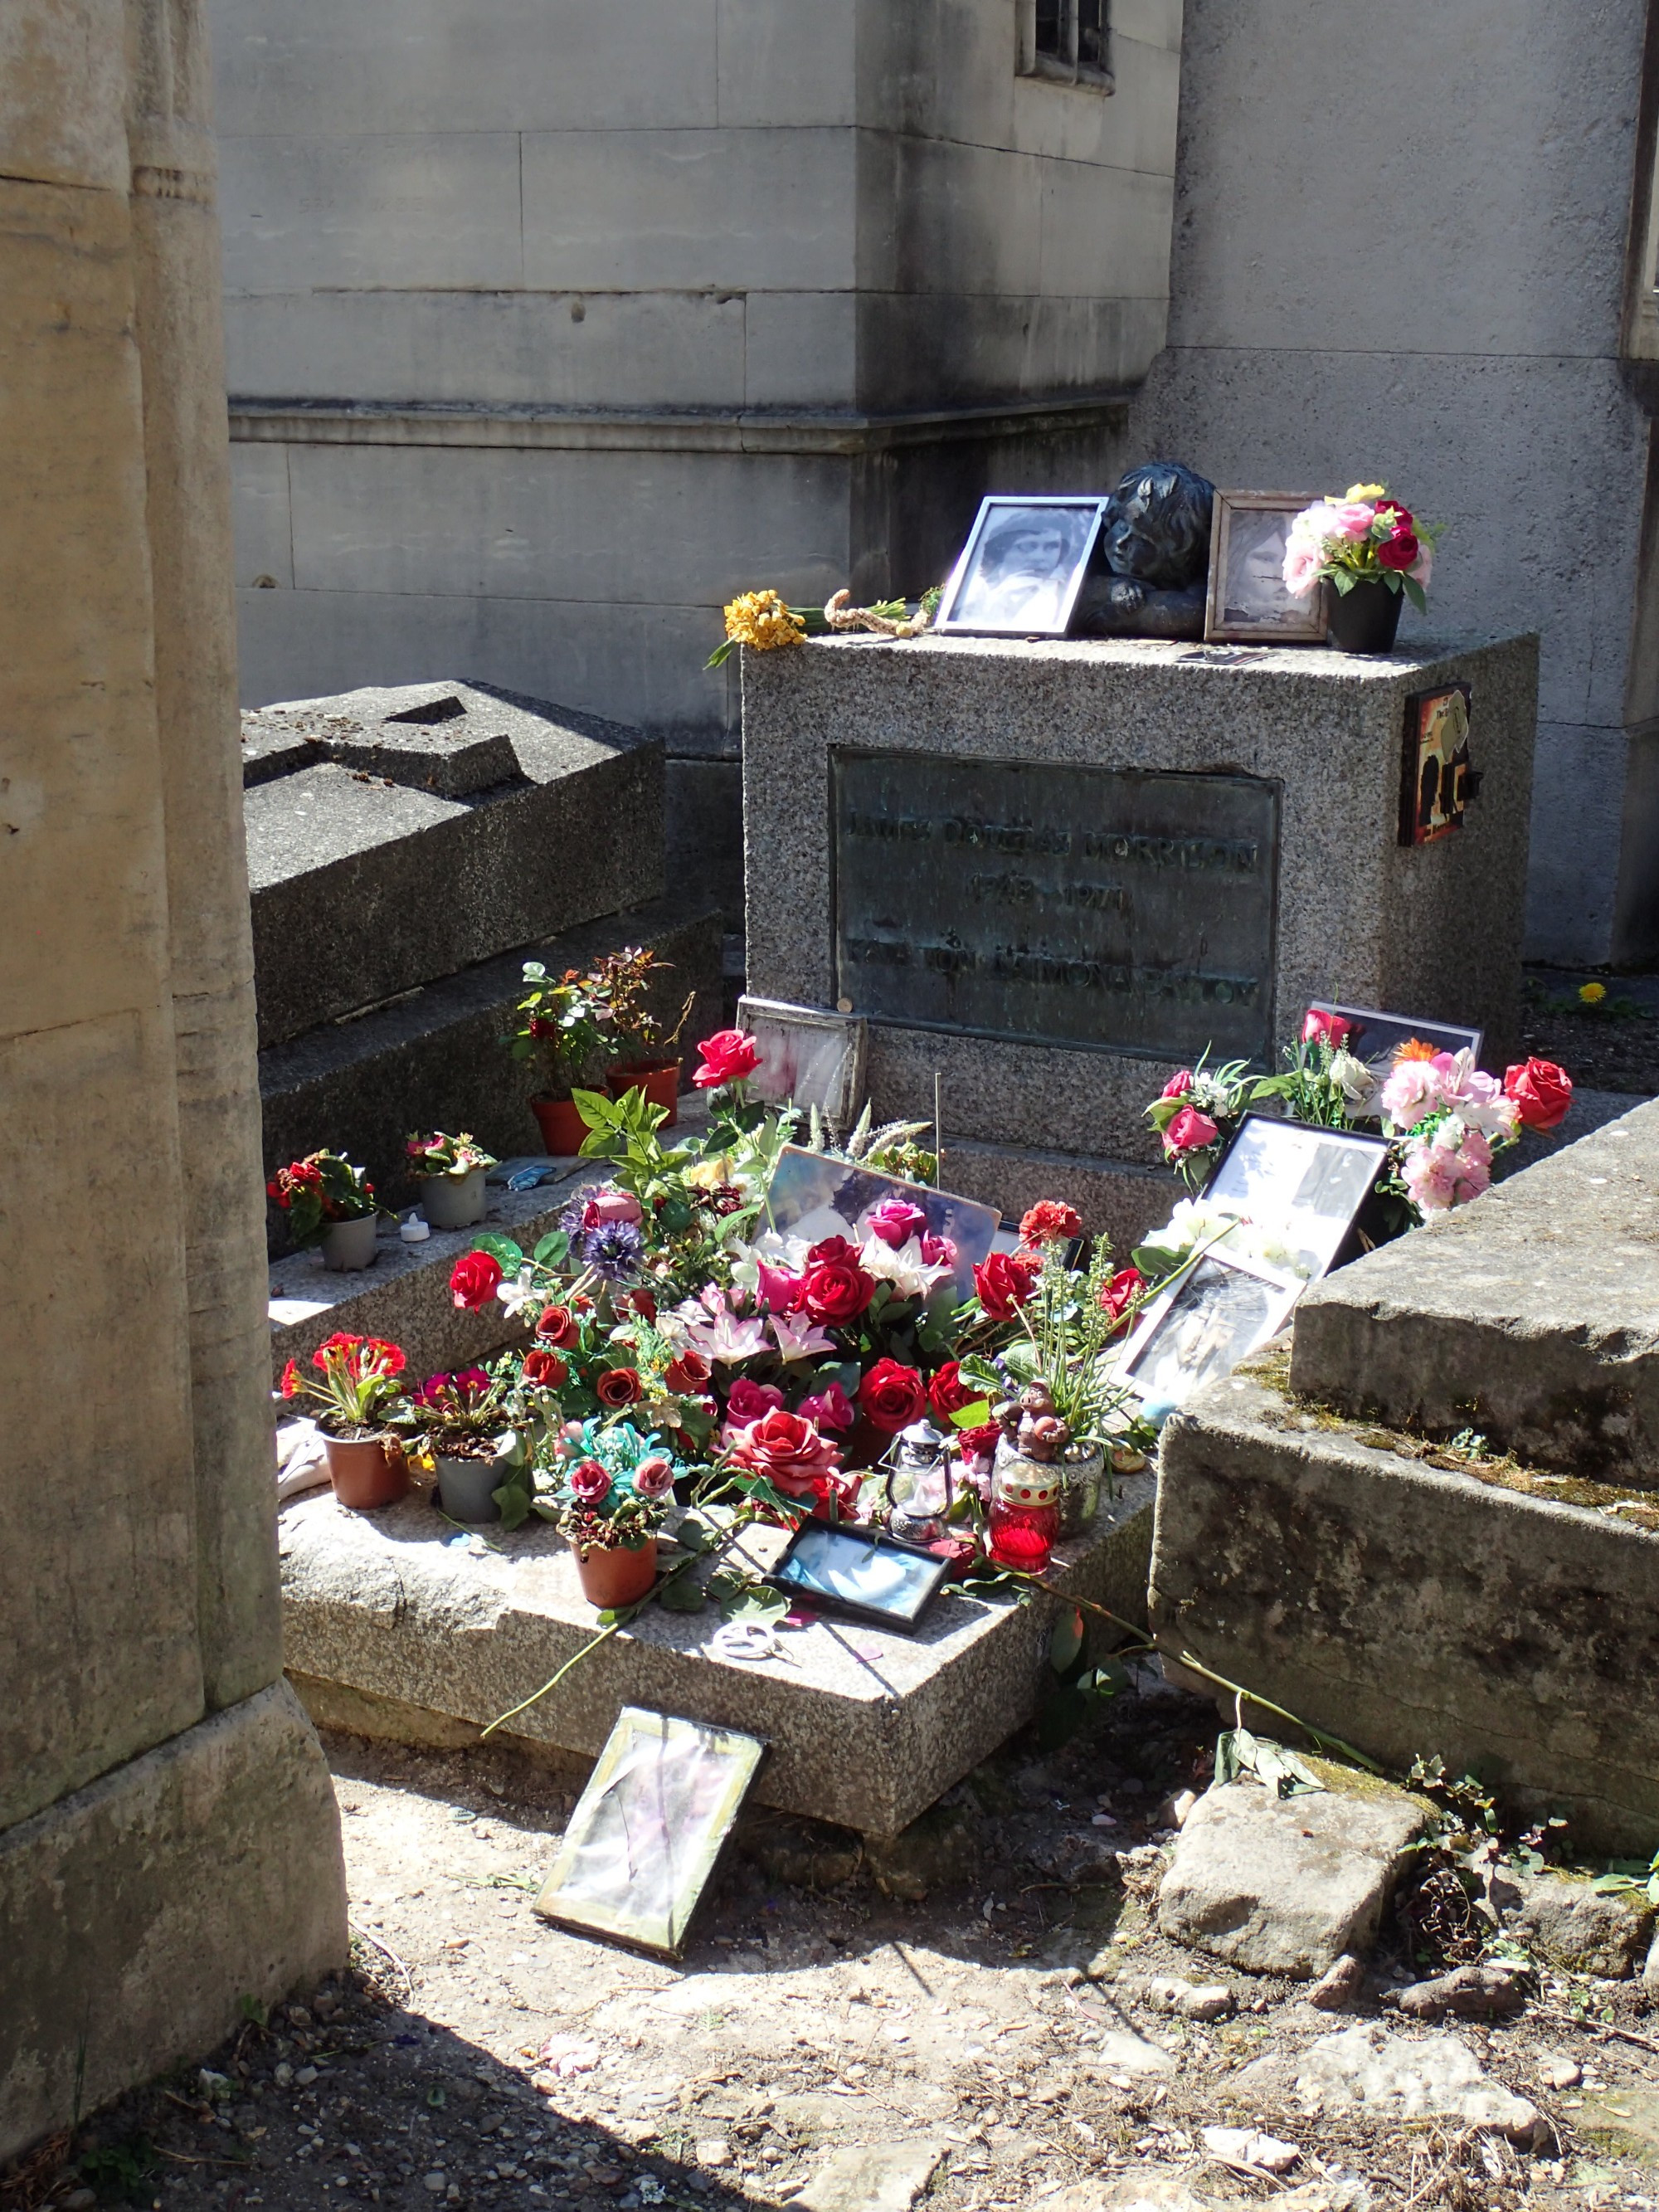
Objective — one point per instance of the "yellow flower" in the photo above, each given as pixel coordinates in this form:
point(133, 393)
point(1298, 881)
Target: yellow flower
point(1592, 994)
point(1366, 491)
point(761, 619)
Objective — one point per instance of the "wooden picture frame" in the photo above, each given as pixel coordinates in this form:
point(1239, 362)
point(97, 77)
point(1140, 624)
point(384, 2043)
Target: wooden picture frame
point(1246, 609)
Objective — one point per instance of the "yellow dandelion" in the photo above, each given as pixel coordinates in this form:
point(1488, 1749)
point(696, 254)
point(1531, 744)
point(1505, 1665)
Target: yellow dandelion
point(1592, 994)
point(1366, 491)
point(761, 619)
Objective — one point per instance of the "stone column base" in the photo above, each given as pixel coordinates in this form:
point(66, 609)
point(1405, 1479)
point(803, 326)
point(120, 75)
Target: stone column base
point(135, 1914)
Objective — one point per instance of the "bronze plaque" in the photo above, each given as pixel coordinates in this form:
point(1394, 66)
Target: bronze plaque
point(1113, 909)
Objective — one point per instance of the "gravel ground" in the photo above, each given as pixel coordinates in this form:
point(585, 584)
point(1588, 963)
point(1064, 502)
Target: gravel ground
point(947, 1996)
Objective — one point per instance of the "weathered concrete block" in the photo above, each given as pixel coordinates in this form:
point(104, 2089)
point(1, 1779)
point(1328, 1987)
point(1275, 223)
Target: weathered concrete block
point(1569, 1923)
point(1411, 1608)
point(867, 1729)
point(369, 880)
point(1287, 1885)
point(435, 1060)
point(1532, 1316)
point(141, 1909)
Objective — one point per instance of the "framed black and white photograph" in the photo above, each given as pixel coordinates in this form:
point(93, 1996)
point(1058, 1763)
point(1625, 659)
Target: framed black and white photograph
point(1375, 1039)
point(1217, 1313)
point(642, 1842)
point(861, 1572)
point(807, 1057)
point(1302, 1186)
point(1248, 602)
point(1022, 568)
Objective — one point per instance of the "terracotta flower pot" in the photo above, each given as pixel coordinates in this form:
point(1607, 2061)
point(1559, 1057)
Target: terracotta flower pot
point(660, 1082)
point(1364, 620)
point(563, 1130)
point(349, 1245)
point(617, 1575)
point(453, 1202)
point(367, 1471)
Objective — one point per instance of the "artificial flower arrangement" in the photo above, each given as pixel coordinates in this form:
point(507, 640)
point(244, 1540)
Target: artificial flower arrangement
point(435, 1154)
point(1366, 536)
point(319, 1190)
point(463, 1415)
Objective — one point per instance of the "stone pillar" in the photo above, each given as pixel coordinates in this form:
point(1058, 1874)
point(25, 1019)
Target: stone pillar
point(168, 1842)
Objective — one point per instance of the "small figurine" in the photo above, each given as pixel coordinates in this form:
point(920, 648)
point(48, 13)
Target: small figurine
point(1031, 1427)
point(1156, 544)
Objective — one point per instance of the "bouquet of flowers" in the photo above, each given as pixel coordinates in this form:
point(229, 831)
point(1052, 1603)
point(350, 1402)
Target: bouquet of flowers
point(359, 1394)
point(613, 1486)
point(318, 1190)
point(1365, 536)
point(1196, 1113)
point(1452, 1119)
point(439, 1155)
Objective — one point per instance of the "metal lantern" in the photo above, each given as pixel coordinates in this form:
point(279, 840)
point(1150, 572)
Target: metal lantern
point(919, 1484)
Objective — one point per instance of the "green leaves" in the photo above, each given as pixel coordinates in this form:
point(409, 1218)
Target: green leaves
point(505, 1253)
point(1415, 593)
point(552, 1249)
point(1239, 1753)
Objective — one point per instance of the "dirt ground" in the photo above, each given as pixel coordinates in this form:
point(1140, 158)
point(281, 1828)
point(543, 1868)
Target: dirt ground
point(967, 2019)
point(1613, 1047)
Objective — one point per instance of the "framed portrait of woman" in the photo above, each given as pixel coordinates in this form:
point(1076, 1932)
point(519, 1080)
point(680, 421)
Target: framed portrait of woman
point(1022, 568)
point(1248, 603)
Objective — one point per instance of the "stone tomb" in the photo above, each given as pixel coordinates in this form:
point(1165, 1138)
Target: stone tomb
point(391, 1626)
point(1052, 873)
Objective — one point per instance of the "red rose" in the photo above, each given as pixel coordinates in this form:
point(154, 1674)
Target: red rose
point(687, 1374)
point(1050, 1221)
point(544, 1370)
point(654, 1477)
point(1399, 551)
point(728, 1057)
point(1541, 1091)
point(619, 1386)
point(1178, 1084)
point(1004, 1281)
point(981, 1443)
point(274, 1189)
point(947, 1394)
point(792, 1455)
point(557, 1326)
point(1189, 1131)
point(837, 1291)
point(590, 1484)
point(474, 1279)
point(1121, 1293)
point(1318, 1028)
point(644, 1305)
point(834, 1248)
point(892, 1396)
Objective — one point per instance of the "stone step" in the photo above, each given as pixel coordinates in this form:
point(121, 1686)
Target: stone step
point(391, 1628)
point(1411, 1608)
point(385, 852)
point(1531, 1315)
point(435, 1059)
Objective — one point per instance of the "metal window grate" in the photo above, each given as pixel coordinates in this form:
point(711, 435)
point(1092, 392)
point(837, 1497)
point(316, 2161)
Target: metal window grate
point(1066, 39)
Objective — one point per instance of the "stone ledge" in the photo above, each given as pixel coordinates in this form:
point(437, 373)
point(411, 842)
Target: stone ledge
point(1533, 1316)
point(1410, 1609)
point(1118, 1198)
point(866, 1728)
point(137, 1913)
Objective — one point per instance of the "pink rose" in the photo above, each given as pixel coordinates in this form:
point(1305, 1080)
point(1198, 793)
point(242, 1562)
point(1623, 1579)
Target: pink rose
point(828, 1409)
point(1351, 517)
point(748, 1400)
point(728, 1057)
point(1318, 1028)
point(590, 1484)
point(1302, 567)
point(778, 1292)
point(1178, 1084)
point(792, 1455)
point(938, 1252)
point(896, 1221)
point(654, 1476)
point(607, 1205)
point(1189, 1131)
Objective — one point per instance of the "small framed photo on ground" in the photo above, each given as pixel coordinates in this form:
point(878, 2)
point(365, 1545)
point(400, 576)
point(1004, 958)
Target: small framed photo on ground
point(862, 1572)
point(1022, 568)
point(1304, 1185)
point(1375, 1039)
point(1216, 1314)
point(1248, 603)
point(1435, 782)
point(645, 1835)
point(809, 1057)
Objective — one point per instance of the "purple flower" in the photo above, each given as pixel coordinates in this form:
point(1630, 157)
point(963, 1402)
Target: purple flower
point(614, 1250)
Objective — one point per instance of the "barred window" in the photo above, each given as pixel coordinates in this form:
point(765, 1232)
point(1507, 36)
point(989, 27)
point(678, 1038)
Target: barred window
point(1066, 39)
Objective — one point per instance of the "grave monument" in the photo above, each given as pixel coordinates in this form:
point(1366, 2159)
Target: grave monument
point(1051, 873)
point(169, 1845)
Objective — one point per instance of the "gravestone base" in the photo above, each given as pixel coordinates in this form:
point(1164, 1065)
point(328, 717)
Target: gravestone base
point(393, 1628)
point(1119, 1199)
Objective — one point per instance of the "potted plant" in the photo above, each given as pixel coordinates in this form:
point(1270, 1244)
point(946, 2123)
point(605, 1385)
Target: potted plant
point(648, 1056)
point(565, 1024)
point(330, 1203)
point(359, 1398)
point(451, 1173)
point(614, 1488)
point(1372, 553)
point(463, 1422)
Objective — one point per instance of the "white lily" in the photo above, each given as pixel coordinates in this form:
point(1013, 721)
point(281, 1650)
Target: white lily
point(903, 1267)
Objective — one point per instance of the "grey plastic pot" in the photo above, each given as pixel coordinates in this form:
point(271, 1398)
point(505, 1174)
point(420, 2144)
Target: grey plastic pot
point(1082, 1481)
point(350, 1245)
point(453, 1202)
point(466, 1487)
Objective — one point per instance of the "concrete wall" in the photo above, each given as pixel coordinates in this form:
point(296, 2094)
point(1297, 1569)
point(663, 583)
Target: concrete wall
point(1400, 254)
point(551, 327)
point(149, 1753)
